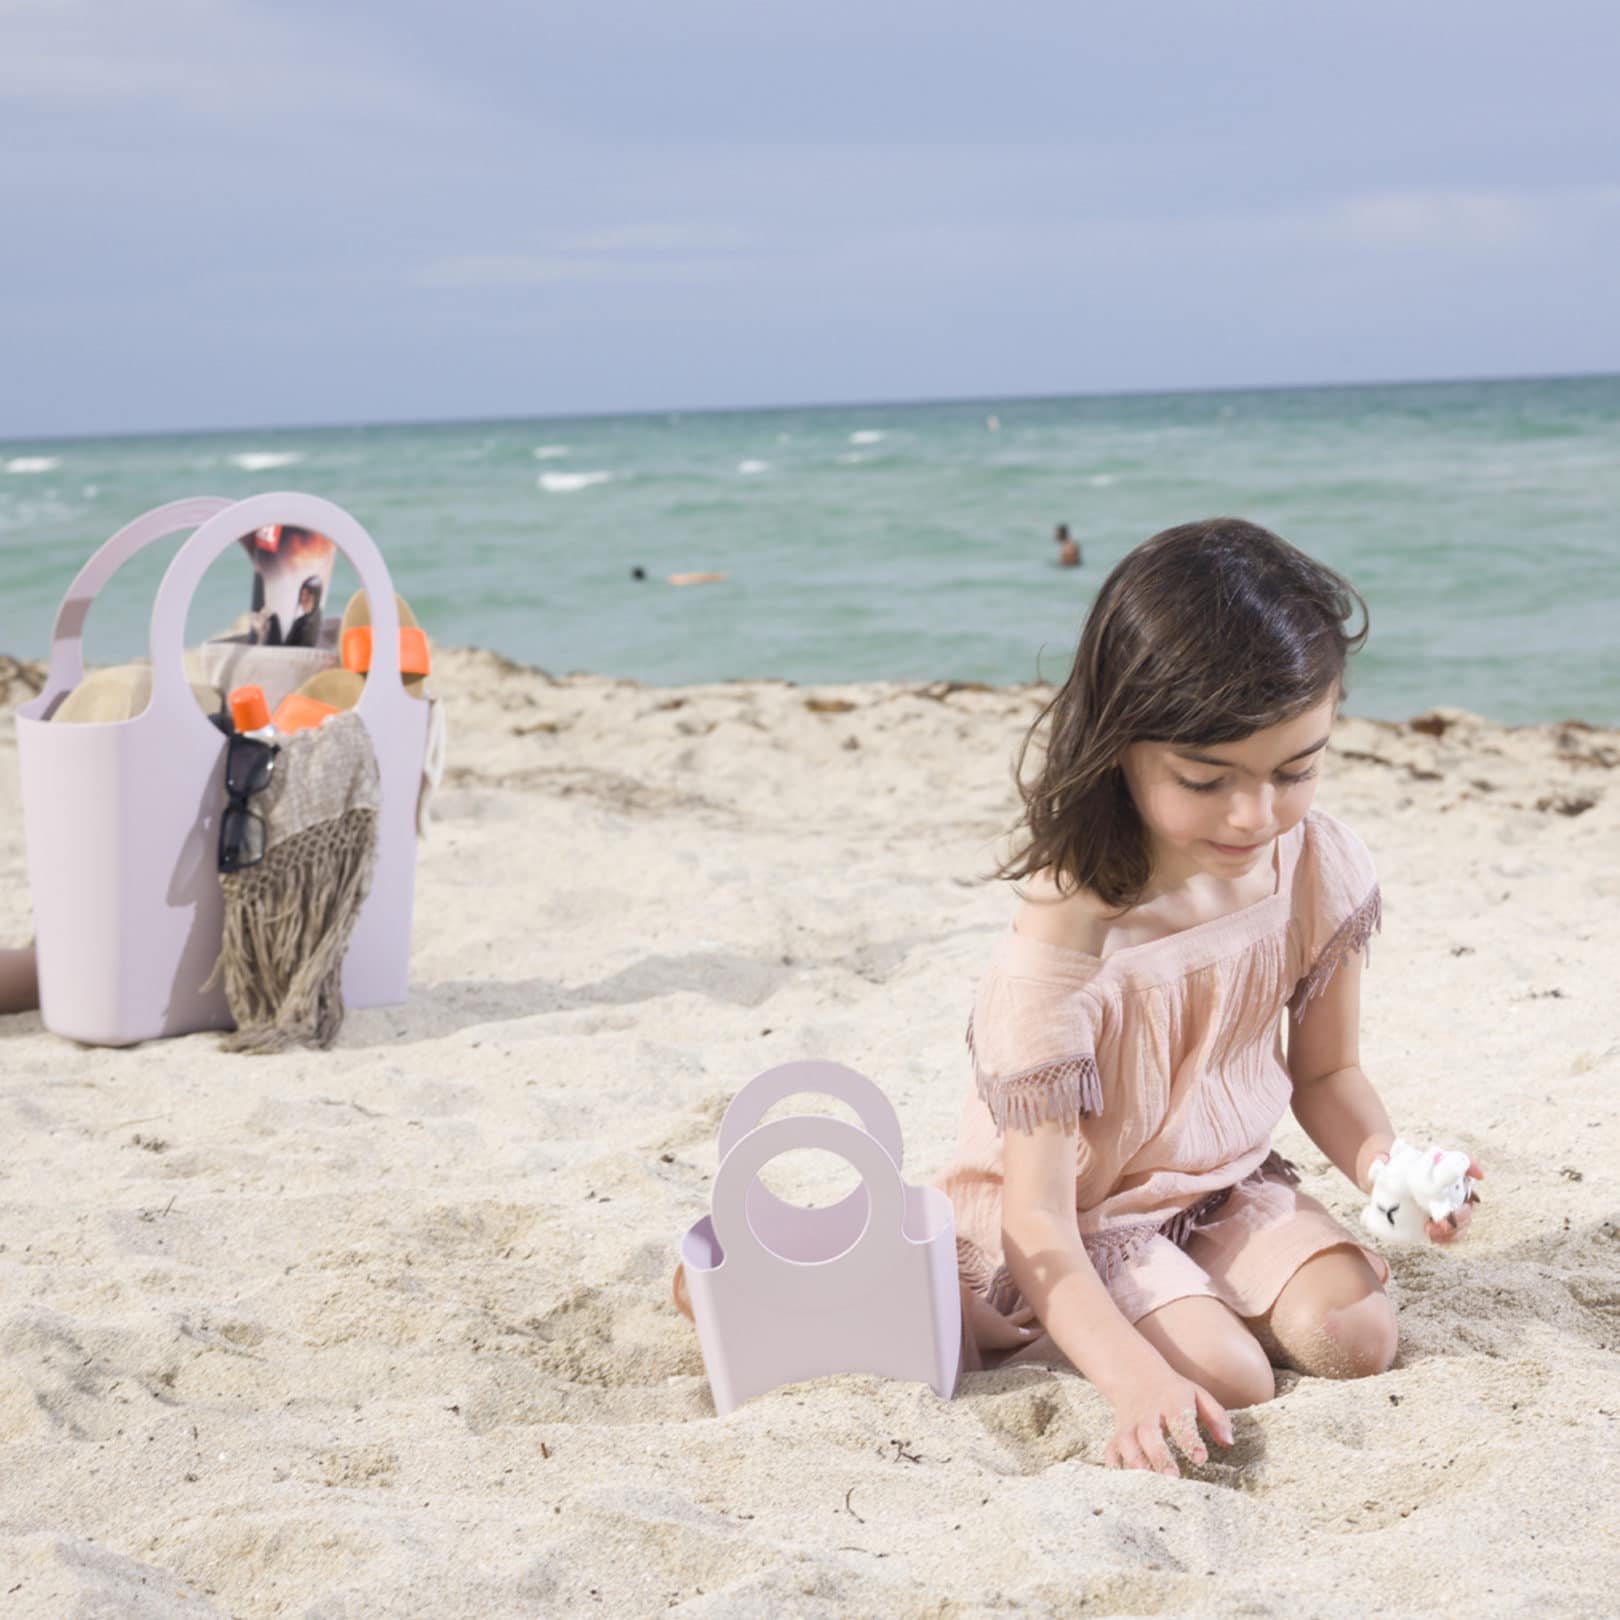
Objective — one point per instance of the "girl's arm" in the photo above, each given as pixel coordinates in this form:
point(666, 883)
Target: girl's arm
point(1334, 1101)
point(1040, 1236)
point(1048, 1261)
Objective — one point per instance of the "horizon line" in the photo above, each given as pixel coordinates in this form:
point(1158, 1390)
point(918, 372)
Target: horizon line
point(648, 412)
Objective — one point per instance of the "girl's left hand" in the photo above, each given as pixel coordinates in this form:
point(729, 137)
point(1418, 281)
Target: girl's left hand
point(1455, 1224)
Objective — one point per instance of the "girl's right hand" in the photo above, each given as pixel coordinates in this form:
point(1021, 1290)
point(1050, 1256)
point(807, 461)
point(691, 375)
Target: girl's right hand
point(1156, 1400)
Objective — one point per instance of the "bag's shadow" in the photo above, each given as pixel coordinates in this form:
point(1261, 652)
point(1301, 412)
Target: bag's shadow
point(437, 1010)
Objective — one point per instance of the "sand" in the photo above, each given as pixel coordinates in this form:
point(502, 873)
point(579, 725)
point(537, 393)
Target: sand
point(387, 1330)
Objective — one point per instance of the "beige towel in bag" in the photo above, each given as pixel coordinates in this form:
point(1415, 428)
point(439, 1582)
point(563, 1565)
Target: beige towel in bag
point(288, 920)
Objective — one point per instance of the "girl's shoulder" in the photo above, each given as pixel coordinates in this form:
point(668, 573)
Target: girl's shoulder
point(1332, 855)
point(1076, 920)
point(1337, 907)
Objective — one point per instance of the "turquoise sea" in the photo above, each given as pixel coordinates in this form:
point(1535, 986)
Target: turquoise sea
point(1480, 520)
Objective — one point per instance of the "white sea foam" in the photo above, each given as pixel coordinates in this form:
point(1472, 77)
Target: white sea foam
point(550, 452)
point(567, 483)
point(33, 464)
point(1101, 480)
point(752, 466)
point(264, 460)
point(852, 458)
point(866, 436)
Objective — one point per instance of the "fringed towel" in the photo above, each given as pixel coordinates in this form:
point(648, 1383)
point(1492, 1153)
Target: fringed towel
point(288, 920)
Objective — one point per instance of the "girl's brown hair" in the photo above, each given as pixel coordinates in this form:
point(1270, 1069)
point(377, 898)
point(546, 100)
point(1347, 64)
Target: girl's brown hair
point(1204, 634)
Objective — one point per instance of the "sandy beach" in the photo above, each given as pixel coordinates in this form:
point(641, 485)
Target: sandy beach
point(387, 1330)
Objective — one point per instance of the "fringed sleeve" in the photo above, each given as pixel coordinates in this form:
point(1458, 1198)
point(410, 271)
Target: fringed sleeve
point(1337, 905)
point(1034, 1056)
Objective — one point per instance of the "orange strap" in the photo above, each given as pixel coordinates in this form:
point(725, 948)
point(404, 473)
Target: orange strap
point(296, 712)
point(413, 650)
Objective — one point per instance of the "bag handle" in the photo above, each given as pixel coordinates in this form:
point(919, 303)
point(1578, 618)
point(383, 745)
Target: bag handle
point(745, 1251)
point(823, 1078)
point(170, 694)
point(67, 633)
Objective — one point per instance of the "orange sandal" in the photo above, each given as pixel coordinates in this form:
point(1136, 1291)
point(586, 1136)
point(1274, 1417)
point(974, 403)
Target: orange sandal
point(334, 690)
point(354, 642)
point(318, 699)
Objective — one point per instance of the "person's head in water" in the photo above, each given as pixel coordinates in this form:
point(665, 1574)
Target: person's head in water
point(1062, 534)
point(638, 573)
point(1200, 638)
point(309, 594)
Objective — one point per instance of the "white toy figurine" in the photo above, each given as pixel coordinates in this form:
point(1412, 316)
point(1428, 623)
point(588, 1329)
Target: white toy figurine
point(1411, 1189)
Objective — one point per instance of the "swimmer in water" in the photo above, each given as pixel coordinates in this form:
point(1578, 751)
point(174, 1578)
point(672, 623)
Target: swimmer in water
point(703, 578)
point(1068, 547)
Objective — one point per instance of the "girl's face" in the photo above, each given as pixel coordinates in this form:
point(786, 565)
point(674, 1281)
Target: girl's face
point(1219, 809)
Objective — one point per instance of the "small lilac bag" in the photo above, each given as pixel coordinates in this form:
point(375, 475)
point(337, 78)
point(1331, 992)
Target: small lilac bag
point(121, 820)
point(780, 1292)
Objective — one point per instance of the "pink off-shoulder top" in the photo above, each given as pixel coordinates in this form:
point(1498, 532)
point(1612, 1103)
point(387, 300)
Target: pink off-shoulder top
point(1166, 1058)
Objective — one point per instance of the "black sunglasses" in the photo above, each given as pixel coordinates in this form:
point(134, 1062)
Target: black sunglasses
point(250, 762)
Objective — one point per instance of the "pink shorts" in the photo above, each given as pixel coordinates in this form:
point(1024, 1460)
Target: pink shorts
point(1242, 1254)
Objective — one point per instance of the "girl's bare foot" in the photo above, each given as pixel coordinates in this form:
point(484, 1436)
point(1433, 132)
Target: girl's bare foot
point(19, 980)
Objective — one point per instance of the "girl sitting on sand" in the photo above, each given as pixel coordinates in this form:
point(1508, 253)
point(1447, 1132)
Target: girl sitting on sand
point(1127, 1045)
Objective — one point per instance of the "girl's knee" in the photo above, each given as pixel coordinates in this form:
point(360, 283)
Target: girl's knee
point(1235, 1369)
point(1208, 1343)
point(1357, 1340)
point(1364, 1335)
point(1242, 1378)
point(1332, 1319)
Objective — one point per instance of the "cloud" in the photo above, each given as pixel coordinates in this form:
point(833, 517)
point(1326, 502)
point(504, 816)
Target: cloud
point(226, 59)
point(97, 50)
point(1431, 219)
point(630, 255)
point(1443, 225)
point(621, 239)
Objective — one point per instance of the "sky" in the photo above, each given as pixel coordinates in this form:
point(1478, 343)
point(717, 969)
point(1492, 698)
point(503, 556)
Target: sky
point(218, 214)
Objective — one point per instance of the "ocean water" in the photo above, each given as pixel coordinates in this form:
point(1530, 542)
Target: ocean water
point(1481, 521)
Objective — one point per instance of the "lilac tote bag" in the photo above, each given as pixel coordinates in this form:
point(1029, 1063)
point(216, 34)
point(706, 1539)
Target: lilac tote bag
point(121, 820)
